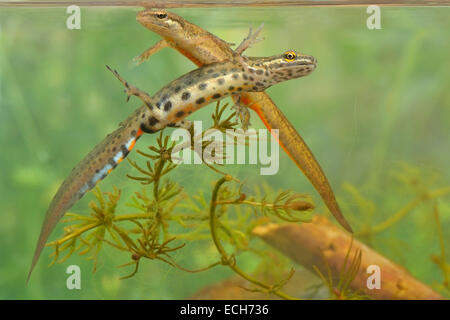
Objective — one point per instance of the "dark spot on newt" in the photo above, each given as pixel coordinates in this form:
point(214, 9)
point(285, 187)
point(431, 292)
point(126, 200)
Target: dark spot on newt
point(221, 81)
point(177, 89)
point(202, 86)
point(186, 95)
point(152, 121)
point(231, 88)
point(125, 151)
point(260, 71)
point(147, 129)
point(179, 114)
point(200, 100)
point(216, 96)
point(167, 106)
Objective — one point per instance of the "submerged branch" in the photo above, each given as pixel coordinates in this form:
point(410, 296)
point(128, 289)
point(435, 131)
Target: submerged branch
point(325, 246)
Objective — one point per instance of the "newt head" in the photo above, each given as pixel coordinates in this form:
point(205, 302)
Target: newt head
point(290, 63)
point(167, 24)
point(271, 70)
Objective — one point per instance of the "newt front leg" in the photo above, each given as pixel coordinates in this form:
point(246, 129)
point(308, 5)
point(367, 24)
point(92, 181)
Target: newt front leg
point(150, 51)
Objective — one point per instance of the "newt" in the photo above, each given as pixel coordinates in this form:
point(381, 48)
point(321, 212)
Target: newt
point(168, 108)
point(202, 47)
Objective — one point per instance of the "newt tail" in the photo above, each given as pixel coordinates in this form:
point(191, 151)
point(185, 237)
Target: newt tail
point(91, 170)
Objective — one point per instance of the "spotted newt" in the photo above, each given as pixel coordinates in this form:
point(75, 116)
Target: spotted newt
point(168, 108)
point(202, 47)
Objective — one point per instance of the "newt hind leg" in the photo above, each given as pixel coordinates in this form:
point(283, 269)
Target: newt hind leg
point(242, 112)
point(132, 90)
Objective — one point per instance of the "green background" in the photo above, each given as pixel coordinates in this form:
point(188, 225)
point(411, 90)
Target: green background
point(379, 98)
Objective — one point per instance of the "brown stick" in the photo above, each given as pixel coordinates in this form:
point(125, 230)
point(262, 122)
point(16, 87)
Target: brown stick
point(320, 243)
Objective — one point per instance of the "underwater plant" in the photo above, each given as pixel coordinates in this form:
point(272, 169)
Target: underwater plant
point(146, 233)
point(163, 218)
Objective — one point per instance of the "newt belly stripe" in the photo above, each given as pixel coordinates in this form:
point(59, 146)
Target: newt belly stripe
point(112, 164)
point(130, 144)
point(101, 174)
point(118, 157)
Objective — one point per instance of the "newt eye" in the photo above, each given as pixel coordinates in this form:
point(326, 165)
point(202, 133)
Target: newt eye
point(290, 56)
point(161, 15)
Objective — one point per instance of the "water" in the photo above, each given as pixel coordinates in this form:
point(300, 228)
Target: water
point(375, 114)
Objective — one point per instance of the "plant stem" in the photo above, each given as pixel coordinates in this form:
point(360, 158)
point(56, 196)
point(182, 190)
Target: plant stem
point(223, 253)
point(400, 214)
point(156, 178)
point(75, 234)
